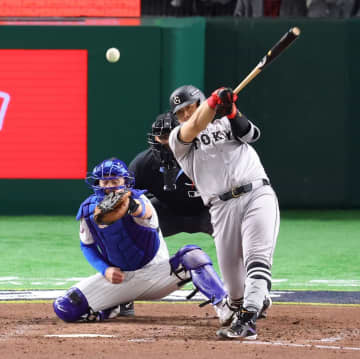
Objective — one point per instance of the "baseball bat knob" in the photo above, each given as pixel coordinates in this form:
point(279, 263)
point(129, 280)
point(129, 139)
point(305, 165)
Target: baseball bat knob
point(296, 31)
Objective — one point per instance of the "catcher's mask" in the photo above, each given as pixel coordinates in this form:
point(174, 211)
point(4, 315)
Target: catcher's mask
point(161, 128)
point(185, 95)
point(109, 169)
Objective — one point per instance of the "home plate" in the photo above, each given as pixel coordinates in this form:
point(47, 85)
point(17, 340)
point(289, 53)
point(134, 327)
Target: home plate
point(79, 336)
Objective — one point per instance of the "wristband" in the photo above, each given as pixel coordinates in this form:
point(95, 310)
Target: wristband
point(213, 101)
point(234, 112)
point(143, 208)
point(133, 206)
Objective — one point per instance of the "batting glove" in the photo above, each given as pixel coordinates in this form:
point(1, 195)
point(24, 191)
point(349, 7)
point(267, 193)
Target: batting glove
point(222, 100)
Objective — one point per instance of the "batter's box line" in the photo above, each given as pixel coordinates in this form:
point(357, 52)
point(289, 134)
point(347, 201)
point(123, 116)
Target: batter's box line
point(284, 344)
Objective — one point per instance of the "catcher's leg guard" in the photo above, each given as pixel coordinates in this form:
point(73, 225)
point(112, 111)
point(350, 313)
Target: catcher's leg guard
point(72, 306)
point(192, 258)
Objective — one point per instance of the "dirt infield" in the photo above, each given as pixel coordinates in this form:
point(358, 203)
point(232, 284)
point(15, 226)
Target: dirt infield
point(179, 330)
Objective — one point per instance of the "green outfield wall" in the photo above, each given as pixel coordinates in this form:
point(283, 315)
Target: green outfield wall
point(306, 102)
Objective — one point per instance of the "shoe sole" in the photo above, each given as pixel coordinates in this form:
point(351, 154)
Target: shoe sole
point(227, 334)
point(127, 314)
point(265, 308)
point(227, 322)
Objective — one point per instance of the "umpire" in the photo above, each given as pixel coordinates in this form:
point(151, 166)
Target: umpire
point(172, 193)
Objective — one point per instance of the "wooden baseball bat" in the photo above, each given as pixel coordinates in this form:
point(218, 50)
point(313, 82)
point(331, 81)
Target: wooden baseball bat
point(271, 55)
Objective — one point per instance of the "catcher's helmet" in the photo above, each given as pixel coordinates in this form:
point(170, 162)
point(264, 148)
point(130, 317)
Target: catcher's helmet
point(162, 127)
point(185, 95)
point(111, 168)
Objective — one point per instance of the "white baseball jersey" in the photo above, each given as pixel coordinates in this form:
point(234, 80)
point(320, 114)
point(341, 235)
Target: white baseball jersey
point(246, 227)
point(215, 160)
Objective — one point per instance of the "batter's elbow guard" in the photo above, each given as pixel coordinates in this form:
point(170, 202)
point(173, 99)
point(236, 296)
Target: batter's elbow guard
point(72, 306)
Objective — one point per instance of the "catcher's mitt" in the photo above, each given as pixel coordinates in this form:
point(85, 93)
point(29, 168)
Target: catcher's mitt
point(113, 207)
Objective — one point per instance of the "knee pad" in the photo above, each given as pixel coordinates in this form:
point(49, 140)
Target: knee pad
point(203, 275)
point(72, 306)
point(191, 260)
point(259, 270)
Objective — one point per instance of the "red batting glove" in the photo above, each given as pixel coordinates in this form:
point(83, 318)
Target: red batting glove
point(227, 96)
point(234, 111)
point(227, 102)
point(214, 99)
point(223, 101)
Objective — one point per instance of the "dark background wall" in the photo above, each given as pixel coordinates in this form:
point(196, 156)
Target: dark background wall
point(305, 103)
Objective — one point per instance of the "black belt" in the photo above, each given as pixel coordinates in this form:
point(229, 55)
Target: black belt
point(237, 192)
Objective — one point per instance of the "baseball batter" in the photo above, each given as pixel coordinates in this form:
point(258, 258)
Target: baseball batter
point(212, 145)
point(121, 239)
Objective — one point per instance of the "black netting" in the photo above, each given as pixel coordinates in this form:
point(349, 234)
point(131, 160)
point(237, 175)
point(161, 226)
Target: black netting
point(187, 7)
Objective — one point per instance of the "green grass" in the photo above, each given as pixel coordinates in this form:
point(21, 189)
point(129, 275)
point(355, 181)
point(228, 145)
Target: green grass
point(314, 247)
point(318, 245)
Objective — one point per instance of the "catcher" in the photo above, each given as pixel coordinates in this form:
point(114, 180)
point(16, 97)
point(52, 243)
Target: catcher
point(120, 238)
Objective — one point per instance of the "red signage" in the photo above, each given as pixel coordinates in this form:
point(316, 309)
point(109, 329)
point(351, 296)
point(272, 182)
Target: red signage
point(63, 8)
point(123, 21)
point(43, 114)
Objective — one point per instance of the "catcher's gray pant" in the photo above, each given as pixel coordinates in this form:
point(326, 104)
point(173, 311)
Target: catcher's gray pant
point(245, 232)
point(153, 281)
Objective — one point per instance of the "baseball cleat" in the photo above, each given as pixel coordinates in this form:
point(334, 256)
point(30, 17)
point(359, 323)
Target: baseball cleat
point(127, 309)
point(227, 311)
point(110, 313)
point(266, 306)
point(242, 327)
point(122, 310)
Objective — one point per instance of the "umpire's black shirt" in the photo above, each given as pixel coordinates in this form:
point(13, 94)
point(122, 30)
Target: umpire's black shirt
point(184, 200)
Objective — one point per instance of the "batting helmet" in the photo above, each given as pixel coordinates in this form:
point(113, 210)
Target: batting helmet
point(111, 168)
point(185, 95)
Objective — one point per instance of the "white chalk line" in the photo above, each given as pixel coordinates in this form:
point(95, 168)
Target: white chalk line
point(328, 340)
point(332, 347)
point(142, 340)
point(17, 281)
point(79, 336)
point(145, 340)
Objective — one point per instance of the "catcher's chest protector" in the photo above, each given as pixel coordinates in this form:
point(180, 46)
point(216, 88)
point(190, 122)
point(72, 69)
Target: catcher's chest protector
point(125, 244)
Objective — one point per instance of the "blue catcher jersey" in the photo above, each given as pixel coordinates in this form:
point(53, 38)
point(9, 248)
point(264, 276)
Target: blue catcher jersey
point(124, 244)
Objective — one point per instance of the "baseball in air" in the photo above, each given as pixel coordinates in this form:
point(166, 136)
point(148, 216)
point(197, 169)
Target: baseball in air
point(112, 54)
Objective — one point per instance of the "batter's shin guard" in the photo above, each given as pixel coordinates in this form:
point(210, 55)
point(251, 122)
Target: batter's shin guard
point(72, 306)
point(205, 279)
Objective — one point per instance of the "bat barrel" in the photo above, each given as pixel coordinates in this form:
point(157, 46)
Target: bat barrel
point(287, 39)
